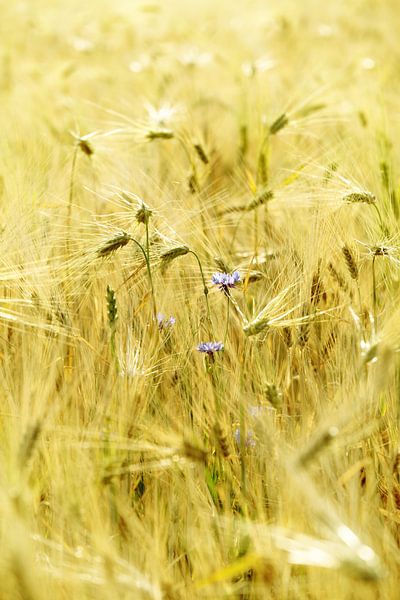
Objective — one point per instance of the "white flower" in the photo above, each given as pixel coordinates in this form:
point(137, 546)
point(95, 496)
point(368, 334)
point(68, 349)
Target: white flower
point(193, 57)
point(161, 116)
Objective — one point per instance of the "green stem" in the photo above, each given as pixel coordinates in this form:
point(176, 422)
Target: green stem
point(227, 320)
point(374, 301)
point(146, 257)
point(71, 195)
point(211, 368)
point(361, 310)
point(72, 184)
point(238, 310)
point(382, 225)
point(243, 438)
point(148, 264)
point(113, 350)
point(205, 288)
point(147, 239)
point(256, 235)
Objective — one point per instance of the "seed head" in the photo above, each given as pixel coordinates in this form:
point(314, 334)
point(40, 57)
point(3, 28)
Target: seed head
point(316, 291)
point(316, 445)
point(193, 183)
point(194, 452)
point(350, 262)
point(160, 134)
point(29, 441)
point(279, 124)
point(167, 256)
point(380, 250)
point(82, 142)
point(113, 244)
point(221, 440)
point(337, 277)
point(287, 336)
point(143, 214)
point(111, 307)
point(201, 153)
point(221, 264)
point(257, 325)
point(244, 141)
point(85, 147)
point(173, 253)
point(273, 394)
point(360, 197)
point(261, 198)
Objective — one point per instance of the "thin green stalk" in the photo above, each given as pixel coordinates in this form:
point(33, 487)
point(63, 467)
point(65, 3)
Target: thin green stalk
point(227, 319)
point(146, 257)
point(113, 350)
point(147, 239)
point(238, 310)
point(148, 266)
point(243, 431)
point(205, 288)
point(374, 300)
point(71, 186)
point(383, 227)
point(112, 311)
point(256, 235)
point(71, 196)
point(243, 437)
point(211, 369)
point(361, 310)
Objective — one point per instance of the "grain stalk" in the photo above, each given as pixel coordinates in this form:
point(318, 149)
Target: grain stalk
point(112, 313)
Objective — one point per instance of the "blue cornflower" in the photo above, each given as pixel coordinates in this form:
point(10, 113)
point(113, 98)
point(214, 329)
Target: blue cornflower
point(164, 323)
point(260, 411)
point(250, 441)
point(210, 347)
point(226, 281)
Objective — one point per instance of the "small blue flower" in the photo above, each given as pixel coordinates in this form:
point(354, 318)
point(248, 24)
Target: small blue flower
point(260, 411)
point(210, 347)
point(226, 281)
point(250, 441)
point(164, 323)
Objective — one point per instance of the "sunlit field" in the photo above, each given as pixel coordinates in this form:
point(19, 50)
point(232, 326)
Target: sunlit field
point(199, 305)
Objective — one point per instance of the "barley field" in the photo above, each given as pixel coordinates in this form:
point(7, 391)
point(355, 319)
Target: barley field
point(199, 306)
